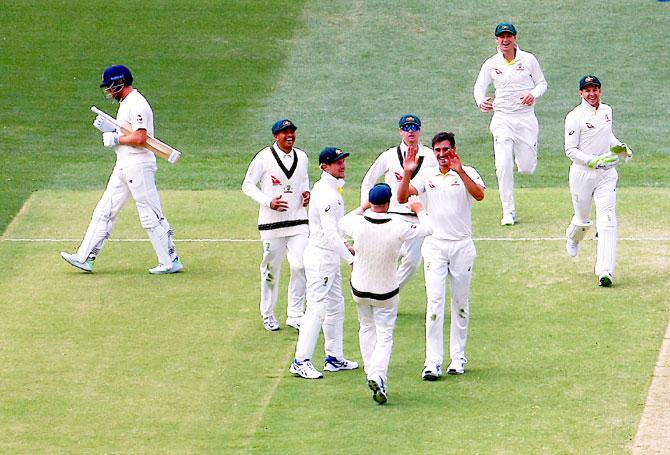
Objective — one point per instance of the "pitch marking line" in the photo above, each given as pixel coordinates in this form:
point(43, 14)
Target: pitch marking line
point(12, 225)
point(652, 433)
point(476, 239)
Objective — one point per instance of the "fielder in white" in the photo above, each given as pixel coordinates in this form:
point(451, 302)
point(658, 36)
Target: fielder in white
point(281, 171)
point(134, 175)
point(594, 151)
point(389, 166)
point(449, 253)
point(518, 82)
point(378, 238)
point(326, 247)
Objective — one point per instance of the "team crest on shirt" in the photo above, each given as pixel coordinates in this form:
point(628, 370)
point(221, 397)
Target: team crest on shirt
point(431, 184)
point(497, 71)
point(398, 177)
point(589, 126)
point(275, 180)
point(519, 67)
point(607, 118)
point(288, 189)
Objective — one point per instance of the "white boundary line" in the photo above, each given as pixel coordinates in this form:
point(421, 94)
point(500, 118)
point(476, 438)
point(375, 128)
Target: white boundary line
point(477, 239)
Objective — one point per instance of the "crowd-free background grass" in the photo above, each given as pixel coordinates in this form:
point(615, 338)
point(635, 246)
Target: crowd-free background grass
point(122, 361)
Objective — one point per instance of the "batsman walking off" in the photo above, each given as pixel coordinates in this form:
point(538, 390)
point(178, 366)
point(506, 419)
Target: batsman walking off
point(134, 175)
point(595, 152)
point(281, 172)
point(518, 82)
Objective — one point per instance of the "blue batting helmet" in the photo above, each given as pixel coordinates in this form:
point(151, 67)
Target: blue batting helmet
point(115, 76)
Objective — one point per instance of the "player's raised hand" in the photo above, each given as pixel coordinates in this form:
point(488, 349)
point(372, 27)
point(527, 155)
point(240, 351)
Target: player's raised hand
point(103, 125)
point(411, 161)
point(279, 204)
point(486, 105)
point(454, 161)
point(414, 203)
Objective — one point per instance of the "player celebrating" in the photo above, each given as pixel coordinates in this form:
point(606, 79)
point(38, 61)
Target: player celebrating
point(389, 165)
point(325, 303)
point(518, 82)
point(378, 238)
point(449, 252)
point(281, 171)
point(590, 143)
point(134, 174)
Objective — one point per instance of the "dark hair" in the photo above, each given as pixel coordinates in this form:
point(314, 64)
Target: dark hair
point(444, 136)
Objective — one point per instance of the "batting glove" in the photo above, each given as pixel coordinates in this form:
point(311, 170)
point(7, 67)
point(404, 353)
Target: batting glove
point(110, 139)
point(623, 151)
point(605, 161)
point(103, 125)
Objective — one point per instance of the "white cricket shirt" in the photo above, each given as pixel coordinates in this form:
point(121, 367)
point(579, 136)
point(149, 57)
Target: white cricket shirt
point(326, 209)
point(378, 238)
point(511, 80)
point(448, 202)
point(273, 173)
point(389, 164)
point(135, 111)
point(588, 132)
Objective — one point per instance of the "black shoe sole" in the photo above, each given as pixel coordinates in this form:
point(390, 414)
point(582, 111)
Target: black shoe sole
point(377, 393)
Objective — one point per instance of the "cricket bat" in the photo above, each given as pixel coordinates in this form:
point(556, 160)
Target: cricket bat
point(159, 148)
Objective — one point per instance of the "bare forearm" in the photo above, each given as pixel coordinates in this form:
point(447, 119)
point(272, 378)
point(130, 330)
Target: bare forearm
point(476, 191)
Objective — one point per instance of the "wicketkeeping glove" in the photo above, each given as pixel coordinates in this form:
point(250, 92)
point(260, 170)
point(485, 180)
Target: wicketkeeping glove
point(110, 139)
point(623, 151)
point(604, 161)
point(103, 125)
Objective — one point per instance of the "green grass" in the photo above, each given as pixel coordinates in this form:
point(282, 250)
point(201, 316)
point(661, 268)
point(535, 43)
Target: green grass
point(124, 361)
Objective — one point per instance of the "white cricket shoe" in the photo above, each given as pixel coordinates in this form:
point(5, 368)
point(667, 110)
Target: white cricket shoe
point(334, 364)
point(294, 322)
point(457, 366)
point(71, 259)
point(572, 248)
point(431, 372)
point(270, 323)
point(162, 269)
point(378, 390)
point(304, 369)
point(605, 280)
point(508, 219)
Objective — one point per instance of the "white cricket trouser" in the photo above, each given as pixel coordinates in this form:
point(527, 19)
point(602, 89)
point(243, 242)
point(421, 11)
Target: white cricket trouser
point(587, 186)
point(325, 305)
point(444, 259)
point(274, 251)
point(375, 337)
point(410, 254)
point(514, 141)
point(140, 182)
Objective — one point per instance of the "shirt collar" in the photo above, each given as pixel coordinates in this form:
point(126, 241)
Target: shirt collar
point(516, 55)
point(281, 153)
point(332, 181)
point(404, 147)
point(375, 215)
point(588, 107)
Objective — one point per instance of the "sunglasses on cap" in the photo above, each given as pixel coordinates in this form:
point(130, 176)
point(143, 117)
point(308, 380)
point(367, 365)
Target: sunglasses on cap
point(410, 127)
